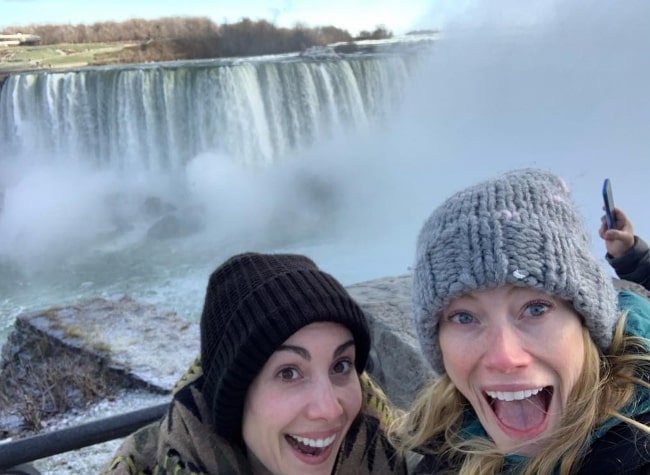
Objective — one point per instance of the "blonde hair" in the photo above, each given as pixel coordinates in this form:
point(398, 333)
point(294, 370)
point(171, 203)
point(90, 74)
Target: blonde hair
point(433, 424)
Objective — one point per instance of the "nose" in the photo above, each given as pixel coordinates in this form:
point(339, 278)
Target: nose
point(324, 402)
point(505, 351)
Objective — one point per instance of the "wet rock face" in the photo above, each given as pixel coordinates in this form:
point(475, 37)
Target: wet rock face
point(627, 285)
point(397, 364)
point(42, 377)
point(62, 359)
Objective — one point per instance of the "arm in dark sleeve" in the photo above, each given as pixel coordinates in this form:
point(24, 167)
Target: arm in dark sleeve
point(634, 265)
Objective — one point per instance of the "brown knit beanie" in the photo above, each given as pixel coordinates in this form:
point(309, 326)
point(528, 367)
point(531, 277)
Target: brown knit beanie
point(253, 303)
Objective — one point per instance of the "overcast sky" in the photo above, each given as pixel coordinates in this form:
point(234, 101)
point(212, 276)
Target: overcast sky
point(357, 15)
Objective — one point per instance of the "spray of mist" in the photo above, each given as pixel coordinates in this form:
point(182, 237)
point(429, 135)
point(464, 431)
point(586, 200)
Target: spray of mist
point(558, 85)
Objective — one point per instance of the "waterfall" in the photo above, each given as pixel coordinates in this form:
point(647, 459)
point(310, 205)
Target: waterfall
point(122, 176)
point(156, 117)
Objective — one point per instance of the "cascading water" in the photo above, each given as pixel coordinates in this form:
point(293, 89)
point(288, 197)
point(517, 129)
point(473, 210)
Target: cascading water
point(140, 179)
point(159, 117)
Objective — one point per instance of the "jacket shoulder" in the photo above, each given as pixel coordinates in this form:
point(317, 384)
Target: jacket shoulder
point(623, 450)
point(137, 454)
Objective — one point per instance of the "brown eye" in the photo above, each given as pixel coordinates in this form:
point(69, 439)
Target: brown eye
point(342, 367)
point(288, 374)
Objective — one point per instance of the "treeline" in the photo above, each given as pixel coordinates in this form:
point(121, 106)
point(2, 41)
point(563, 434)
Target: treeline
point(195, 37)
point(110, 31)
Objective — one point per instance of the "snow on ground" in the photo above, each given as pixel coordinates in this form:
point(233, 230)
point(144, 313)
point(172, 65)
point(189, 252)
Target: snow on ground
point(92, 459)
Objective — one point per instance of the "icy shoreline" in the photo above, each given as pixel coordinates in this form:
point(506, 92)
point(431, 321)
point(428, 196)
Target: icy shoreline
point(94, 458)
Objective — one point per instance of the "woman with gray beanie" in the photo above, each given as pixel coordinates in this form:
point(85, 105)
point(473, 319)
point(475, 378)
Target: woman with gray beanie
point(280, 386)
point(543, 367)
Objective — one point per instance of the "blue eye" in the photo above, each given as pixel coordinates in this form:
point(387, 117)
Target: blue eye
point(536, 309)
point(463, 318)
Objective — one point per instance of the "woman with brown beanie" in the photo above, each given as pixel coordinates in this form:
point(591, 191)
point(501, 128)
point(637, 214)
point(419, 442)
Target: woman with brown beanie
point(279, 387)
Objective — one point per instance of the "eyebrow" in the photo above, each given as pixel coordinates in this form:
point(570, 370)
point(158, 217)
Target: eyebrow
point(510, 291)
point(299, 350)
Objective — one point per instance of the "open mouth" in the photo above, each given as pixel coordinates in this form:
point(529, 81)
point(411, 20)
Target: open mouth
point(522, 411)
point(312, 447)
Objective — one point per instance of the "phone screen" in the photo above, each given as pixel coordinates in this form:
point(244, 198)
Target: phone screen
point(609, 203)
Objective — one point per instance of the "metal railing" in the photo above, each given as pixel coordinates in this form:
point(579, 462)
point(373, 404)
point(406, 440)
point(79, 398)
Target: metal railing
point(15, 455)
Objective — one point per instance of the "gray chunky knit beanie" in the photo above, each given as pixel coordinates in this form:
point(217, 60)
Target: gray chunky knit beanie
point(253, 303)
point(520, 228)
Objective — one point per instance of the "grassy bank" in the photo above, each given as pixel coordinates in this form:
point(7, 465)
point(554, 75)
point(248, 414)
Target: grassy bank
point(165, 39)
point(64, 56)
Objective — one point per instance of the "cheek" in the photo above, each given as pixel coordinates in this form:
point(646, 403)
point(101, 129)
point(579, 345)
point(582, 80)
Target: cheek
point(570, 360)
point(263, 410)
point(564, 352)
point(355, 399)
point(457, 357)
point(567, 344)
point(265, 416)
point(350, 398)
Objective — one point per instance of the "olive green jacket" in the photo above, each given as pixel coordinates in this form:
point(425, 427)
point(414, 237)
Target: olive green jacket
point(184, 442)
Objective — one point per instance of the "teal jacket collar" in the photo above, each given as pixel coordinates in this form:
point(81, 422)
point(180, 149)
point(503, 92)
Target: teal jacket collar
point(636, 324)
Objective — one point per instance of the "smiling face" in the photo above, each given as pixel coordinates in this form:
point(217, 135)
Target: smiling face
point(515, 354)
point(300, 406)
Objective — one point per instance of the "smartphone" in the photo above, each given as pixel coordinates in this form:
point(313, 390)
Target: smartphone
point(608, 198)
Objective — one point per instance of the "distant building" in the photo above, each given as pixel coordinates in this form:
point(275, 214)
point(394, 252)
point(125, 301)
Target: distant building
point(19, 39)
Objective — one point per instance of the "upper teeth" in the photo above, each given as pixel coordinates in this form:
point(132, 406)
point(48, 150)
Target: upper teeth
point(513, 395)
point(315, 442)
